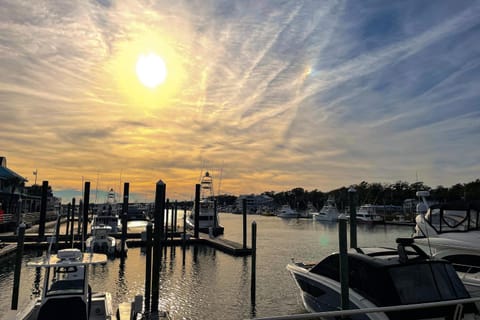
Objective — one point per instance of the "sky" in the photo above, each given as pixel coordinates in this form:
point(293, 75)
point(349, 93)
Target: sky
point(266, 95)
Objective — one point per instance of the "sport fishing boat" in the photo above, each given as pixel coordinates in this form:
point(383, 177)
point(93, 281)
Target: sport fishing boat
point(287, 212)
point(329, 211)
point(451, 231)
point(66, 293)
point(384, 277)
point(208, 219)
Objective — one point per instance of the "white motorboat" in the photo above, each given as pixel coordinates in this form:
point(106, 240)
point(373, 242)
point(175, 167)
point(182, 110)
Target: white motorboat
point(287, 212)
point(208, 219)
point(66, 293)
point(451, 231)
point(367, 213)
point(329, 212)
point(384, 277)
point(101, 239)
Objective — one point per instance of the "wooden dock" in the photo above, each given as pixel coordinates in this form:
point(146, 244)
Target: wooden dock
point(133, 240)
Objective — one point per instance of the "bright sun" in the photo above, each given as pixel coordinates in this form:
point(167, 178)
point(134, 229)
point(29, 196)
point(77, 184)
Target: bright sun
point(151, 70)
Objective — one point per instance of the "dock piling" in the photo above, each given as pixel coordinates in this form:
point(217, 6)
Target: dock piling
point(197, 210)
point(159, 217)
point(244, 205)
point(67, 227)
point(43, 211)
point(126, 191)
point(253, 278)
point(148, 269)
point(353, 218)
point(343, 261)
point(18, 265)
point(86, 204)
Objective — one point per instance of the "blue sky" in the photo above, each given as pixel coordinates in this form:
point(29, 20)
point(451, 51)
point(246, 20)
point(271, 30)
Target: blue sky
point(269, 95)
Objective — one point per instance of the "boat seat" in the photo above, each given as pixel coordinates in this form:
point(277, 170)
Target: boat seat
point(73, 308)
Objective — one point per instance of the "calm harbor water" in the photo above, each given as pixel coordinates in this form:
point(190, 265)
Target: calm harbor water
point(202, 283)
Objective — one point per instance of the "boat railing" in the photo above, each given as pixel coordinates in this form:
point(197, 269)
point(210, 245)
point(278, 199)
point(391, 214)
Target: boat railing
point(344, 313)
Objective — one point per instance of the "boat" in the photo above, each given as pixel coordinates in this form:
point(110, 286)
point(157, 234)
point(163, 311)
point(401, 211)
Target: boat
point(451, 231)
point(100, 240)
point(287, 212)
point(208, 218)
point(382, 277)
point(66, 293)
point(367, 213)
point(329, 212)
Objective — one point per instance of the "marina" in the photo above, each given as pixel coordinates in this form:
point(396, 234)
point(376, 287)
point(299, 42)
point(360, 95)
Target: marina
point(202, 282)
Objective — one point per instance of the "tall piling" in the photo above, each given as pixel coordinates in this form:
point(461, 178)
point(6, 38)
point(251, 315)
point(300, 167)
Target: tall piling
point(215, 222)
point(126, 191)
point(175, 208)
point(148, 268)
point(343, 261)
point(353, 218)
point(197, 210)
point(253, 277)
point(244, 213)
point(18, 265)
point(67, 227)
point(167, 214)
point(72, 229)
point(86, 205)
point(159, 217)
point(80, 211)
point(43, 211)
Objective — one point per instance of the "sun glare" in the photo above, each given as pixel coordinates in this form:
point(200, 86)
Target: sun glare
point(151, 70)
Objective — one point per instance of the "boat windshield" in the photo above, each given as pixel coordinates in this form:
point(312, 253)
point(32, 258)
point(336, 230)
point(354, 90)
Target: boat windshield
point(66, 280)
point(420, 283)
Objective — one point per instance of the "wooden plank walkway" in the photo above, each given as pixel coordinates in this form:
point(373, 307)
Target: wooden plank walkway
point(134, 240)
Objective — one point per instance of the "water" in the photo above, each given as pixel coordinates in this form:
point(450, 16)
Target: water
point(203, 283)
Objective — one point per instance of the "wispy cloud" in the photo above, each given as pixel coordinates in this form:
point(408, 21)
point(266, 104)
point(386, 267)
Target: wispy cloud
point(281, 94)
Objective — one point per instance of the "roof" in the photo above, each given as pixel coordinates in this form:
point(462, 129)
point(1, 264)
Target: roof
point(7, 174)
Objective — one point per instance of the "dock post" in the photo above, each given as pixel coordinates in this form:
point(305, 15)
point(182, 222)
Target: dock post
point(215, 222)
point(253, 278)
point(126, 191)
point(343, 261)
point(18, 265)
point(148, 269)
point(86, 204)
point(80, 209)
point(57, 233)
point(43, 211)
point(353, 218)
point(72, 229)
point(175, 208)
point(197, 210)
point(244, 204)
point(159, 217)
point(184, 225)
point(167, 210)
point(67, 228)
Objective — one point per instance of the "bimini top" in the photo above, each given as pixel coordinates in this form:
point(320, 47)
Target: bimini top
point(69, 257)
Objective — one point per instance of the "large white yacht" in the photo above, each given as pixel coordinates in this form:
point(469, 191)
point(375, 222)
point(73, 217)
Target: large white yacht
point(329, 211)
point(452, 231)
point(287, 212)
point(208, 218)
